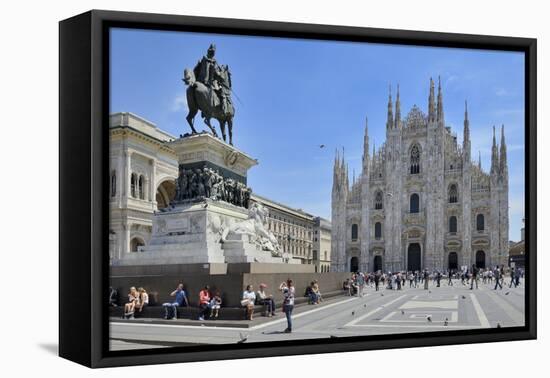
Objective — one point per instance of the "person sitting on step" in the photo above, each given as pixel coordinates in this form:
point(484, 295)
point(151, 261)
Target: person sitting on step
point(266, 300)
point(247, 300)
point(129, 307)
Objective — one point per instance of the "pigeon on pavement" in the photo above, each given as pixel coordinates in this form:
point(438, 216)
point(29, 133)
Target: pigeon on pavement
point(243, 338)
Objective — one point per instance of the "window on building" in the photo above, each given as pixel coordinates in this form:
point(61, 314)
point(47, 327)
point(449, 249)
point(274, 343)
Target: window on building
point(415, 159)
point(378, 200)
point(480, 222)
point(354, 231)
point(113, 183)
point(452, 224)
point(133, 185)
point(377, 230)
point(453, 193)
point(325, 256)
point(414, 203)
point(141, 187)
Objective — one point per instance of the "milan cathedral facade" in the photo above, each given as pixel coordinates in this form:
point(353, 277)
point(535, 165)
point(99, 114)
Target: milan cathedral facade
point(420, 202)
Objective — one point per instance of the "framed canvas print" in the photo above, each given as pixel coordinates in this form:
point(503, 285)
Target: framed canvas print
point(234, 188)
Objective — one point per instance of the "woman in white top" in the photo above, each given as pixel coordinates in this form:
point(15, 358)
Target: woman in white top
point(143, 299)
point(248, 300)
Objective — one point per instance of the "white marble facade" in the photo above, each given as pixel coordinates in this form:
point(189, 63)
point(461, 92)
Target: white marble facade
point(142, 174)
point(420, 202)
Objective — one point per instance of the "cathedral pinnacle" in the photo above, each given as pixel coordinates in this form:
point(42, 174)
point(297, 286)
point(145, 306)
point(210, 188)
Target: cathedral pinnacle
point(431, 103)
point(389, 122)
point(503, 160)
point(494, 155)
point(440, 114)
point(397, 110)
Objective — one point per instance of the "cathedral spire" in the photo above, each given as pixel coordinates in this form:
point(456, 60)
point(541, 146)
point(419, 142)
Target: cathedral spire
point(389, 122)
point(440, 114)
point(366, 146)
point(466, 122)
point(431, 104)
point(466, 146)
point(397, 110)
point(503, 160)
point(494, 155)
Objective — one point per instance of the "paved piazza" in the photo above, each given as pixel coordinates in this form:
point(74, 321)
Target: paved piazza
point(383, 312)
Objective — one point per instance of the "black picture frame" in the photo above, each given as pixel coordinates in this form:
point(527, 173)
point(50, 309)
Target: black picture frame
point(83, 153)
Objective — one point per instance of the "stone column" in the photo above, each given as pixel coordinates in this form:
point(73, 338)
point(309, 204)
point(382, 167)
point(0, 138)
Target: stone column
point(127, 173)
point(153, 179)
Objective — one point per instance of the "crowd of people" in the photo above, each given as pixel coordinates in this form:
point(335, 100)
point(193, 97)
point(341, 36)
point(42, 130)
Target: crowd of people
point(355, 285)
point(210, 301)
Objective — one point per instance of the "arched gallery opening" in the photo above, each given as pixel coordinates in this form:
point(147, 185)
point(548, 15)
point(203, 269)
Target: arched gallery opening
point(135, 243)
point(166, 192)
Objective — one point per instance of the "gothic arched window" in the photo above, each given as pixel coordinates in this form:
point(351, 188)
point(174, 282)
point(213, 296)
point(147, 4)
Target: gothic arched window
point(113, 183)
point(452, 224)
point(377, 230)
point(378, 200)
point(354, 231)
point(415, 159)
point(453, 193)
point(414, 203)
point(480, 222)
point(133, 185)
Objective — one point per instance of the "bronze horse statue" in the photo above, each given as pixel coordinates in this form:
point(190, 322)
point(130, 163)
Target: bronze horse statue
point(204, 98)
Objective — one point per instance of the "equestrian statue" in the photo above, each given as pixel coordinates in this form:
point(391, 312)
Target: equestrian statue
point(209, 90)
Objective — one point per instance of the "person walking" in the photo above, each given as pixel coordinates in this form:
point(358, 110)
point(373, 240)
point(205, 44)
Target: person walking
point(377, 280)
point(497, 278)
point(360, 284)
point(426, 277)
point(288, 290)
point(474, 277)
point(512, 278)
point(450, 282)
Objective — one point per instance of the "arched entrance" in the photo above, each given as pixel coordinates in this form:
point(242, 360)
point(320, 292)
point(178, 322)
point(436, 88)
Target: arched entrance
point(414, 260)
point(166, 192)
point(377, 263)
point(135, 243)
point(453, 261)
point(480, 259)
point(354, 264)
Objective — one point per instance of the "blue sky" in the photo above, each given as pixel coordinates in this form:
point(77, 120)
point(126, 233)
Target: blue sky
point(298, 94)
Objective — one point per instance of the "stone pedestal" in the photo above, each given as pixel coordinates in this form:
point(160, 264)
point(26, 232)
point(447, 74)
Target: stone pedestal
point(240, 248)
point(204, 150)
point(190, 230)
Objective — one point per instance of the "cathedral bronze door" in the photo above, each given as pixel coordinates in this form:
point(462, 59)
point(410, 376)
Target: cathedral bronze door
point(414, 259)
point(480, 259)
point(377, 263)
point(354, 264)
point(453, 261)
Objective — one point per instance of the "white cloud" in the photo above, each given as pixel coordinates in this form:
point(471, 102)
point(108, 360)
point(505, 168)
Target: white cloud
point(180, 103)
